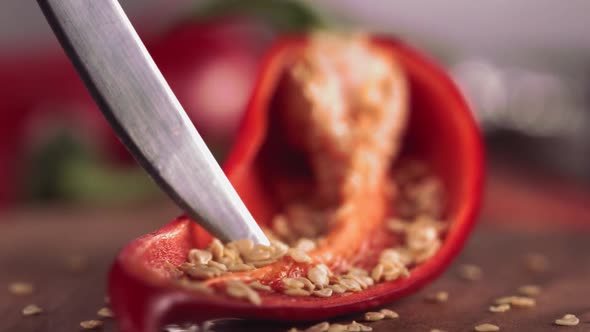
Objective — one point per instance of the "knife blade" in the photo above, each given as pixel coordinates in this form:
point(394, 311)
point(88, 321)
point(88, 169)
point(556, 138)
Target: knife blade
point(133, 95)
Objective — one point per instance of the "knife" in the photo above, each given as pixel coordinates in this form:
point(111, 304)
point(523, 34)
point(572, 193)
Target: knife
point(133, 95)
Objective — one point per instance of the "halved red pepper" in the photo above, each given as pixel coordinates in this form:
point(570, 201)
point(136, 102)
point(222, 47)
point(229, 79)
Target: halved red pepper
point(441, 132)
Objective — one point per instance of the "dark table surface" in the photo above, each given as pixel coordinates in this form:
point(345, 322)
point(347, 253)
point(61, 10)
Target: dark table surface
point(37, 242)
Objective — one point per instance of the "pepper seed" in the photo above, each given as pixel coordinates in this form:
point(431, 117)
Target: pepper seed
point(372, 316)
point(568, 320)
point(326, 292)
point(470, 272)
point(389, 314)
point(438, 297)
point(321, 327)
point(21, 288)
point(529, 290)
point(105, 312)
point(31, 310)
point(91, 324)
point(500, 308)
point(487, 328)
point(536, 262)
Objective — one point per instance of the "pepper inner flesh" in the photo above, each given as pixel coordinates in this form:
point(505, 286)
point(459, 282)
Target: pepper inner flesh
point(344, 106)
point(350, 101)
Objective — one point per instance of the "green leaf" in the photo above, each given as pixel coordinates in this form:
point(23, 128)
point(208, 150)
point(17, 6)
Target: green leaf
point(82, 180)
point(68, 168)
point(283, 15)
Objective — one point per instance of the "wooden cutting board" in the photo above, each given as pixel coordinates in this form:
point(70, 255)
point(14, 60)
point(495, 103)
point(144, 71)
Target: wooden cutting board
point(35, 246)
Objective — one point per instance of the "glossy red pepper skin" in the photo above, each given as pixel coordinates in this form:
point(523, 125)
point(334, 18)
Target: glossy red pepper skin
point(441, 132)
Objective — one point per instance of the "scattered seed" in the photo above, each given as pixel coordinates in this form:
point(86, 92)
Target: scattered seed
point(372, 316)
point(319, 275)
point(423, 255)
point(278, 249)
point(216, 249)
point(354, 326)
point(523, 302)
point(292, 283)
point(281, 227)
point(296, 292)
point(367, 280)
point(305, 244)
point(187, 327)
point(487, 328)
point(91, 324)
point(259, 286)
point(327, 327)
point(504, 300)
point(388, 271)
point(241, 246)
point(517, 301)
point(326, 292)
point(470, 272)
point(240, 290)
point(337, 288)
point(299, 256)
point(263, 262)
point(529, 290)
point(306, 283)
point(240, 267)
point(389, 314)
point(31, 310)
point(377, 272)
point(194, 286)
point(76, 263)
point(253, 297)
point(21, 288)
point(350, 284)
point(230, 255)
point(438, 297)
point(321, 327)
point(421, 234)
point(198, 256)
point(360, 280)
point(258, 253)
point(358, 271)
point(536, 262)
point(105, 312)
point(338, 328)
point(175, 272)
point(500, 307)
point(568, 320)
point(217, 265)
point(397, 225)
point(200, 271)
point(436, 330)
point(390, 256)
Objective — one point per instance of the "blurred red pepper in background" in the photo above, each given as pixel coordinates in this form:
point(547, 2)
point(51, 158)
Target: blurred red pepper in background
point(211, 67)
point(54, 142)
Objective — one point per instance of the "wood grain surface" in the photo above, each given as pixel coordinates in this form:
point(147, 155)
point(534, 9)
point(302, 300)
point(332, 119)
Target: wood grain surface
point(35, 245)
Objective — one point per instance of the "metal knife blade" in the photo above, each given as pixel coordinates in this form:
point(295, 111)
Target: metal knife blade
point(134, 96)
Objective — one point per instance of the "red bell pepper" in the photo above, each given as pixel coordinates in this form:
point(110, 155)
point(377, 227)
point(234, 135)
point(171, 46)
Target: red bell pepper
point(42, 93)
point(441, 132)
point(209, 58)
point(211, 66)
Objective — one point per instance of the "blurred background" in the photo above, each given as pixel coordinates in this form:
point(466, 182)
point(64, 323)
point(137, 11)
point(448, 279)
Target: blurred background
point(522, 64)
